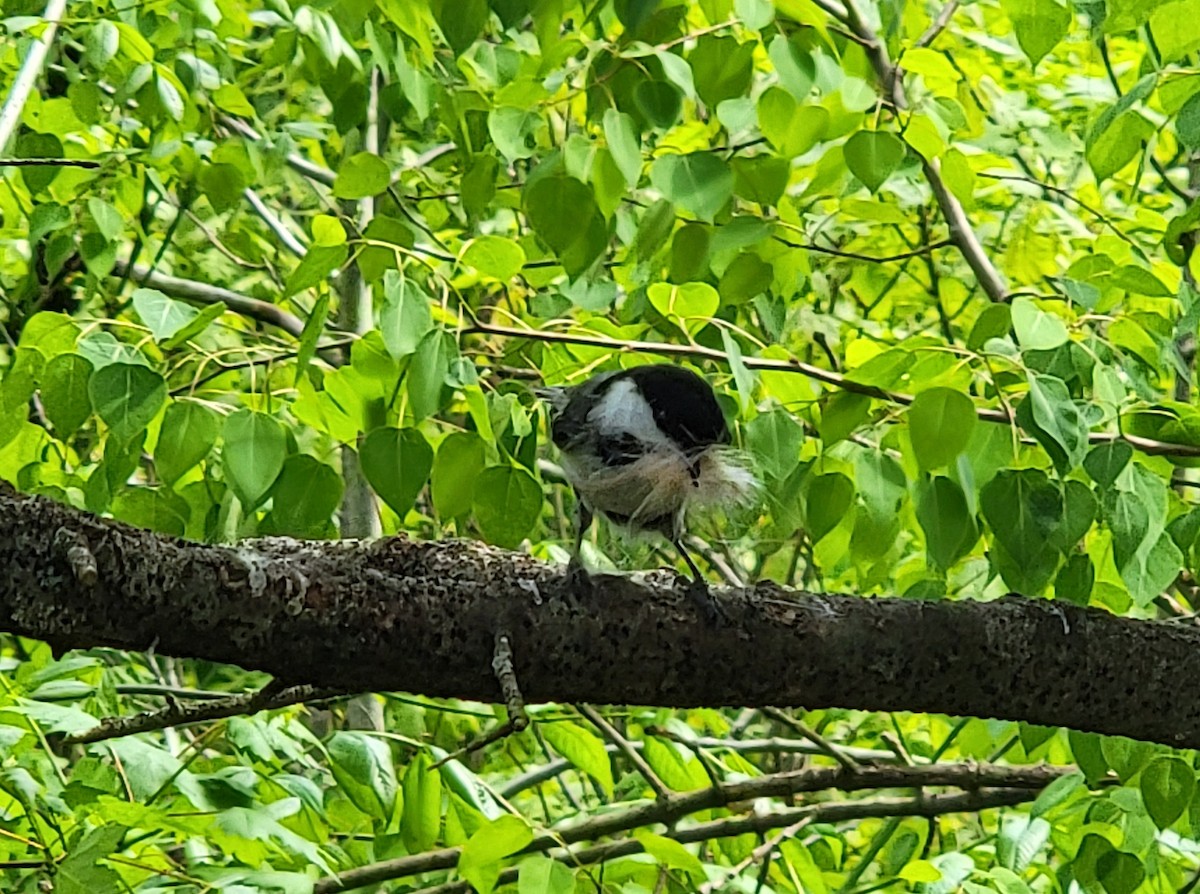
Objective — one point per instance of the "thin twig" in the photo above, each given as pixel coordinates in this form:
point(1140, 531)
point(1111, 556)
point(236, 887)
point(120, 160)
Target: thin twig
point(514, 702)
point(626, 748)
point(939, 24)
point(216, 709)
point(833, 751)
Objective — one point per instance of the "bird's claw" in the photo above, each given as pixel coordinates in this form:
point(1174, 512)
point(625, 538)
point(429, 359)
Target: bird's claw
point(578, 579)
point(700, 594)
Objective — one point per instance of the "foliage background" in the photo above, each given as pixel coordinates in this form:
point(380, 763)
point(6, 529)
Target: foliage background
point(315, 252)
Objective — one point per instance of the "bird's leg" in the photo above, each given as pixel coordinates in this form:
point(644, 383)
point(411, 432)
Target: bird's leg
point(698, 589)
point(577, 575)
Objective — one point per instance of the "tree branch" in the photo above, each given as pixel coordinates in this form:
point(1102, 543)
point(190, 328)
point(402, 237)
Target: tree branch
point(834, 812)
point(892, 87)
point(31, 69)
point(1019, 784)
point(422, 617)
point(202, 293)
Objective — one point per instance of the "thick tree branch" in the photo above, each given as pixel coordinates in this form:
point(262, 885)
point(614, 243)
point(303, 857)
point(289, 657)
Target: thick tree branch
point(422, 617)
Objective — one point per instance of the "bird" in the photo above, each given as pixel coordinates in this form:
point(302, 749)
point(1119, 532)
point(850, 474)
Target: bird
point(645, 447)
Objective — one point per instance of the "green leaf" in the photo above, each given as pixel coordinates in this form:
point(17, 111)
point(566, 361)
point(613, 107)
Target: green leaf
point(690, 306)
point(775, 438)
point(1049, 414)
point(841, 414)
point(189, 431)
point(252, 455)
point(165, 316)
point(507, 503)
point(1176, 28)
point(421, 823)
point(1022, 508)
point(428, 370)
point(363, 767)
point(223, 185)
point(388, 236)
point(582, 748)
point(873, 156)
point(793, 128)
point(108, 220)
point(1119, 872)
point(827, 499)
point(1167, 785)
point(940, 423)
point(319, 261)
point(460, 460)
point(1116, 139)
point(50, 334)
point(304, 497)
point(514, 131)
point(361, 176)
point(65, 393)
point(461, 21)
point(126, 396)
point(994, 322)
point(563, 212)
point(670, 854)
point(406, 317)
point(479, 860)
point(700, 182)
point(1039, 25)
point(542, 875)
point(660, 102)
point(1057, 792)
point(154, 508)
point(622, 137)
point(760, 179)
point(746, 277)
point(722, 68)
point(79, 872)
point(1037, 329)
point(310, 335)
point(1106, 461)
point(396, 462)
point(199, 323)
point(101, 43)
point(942, 512)
point(690, 249)
point(495, 256)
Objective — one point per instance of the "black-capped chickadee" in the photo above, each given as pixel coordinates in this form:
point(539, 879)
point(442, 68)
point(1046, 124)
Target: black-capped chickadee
point(645, 447)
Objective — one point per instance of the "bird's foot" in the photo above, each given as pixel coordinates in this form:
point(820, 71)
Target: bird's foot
point(699, 593)
point(578, 579)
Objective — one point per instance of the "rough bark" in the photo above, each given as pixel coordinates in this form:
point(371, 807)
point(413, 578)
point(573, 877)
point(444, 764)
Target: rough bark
point(396, 614)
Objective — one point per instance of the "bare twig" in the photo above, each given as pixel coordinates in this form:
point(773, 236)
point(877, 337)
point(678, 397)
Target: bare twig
point(48, 163)
point(626, 748)
point(514, 702)
point(215, 709)
point(275, 224)
point(938, 25)
point(827, 747)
